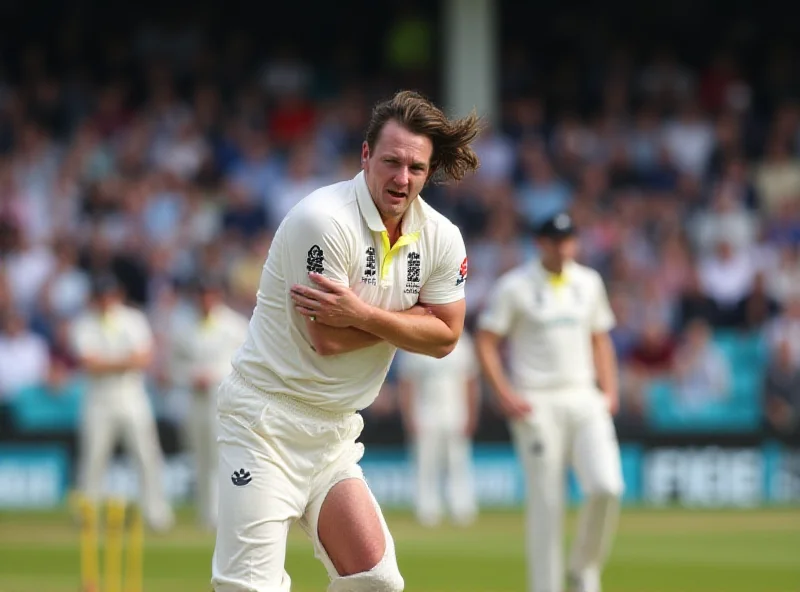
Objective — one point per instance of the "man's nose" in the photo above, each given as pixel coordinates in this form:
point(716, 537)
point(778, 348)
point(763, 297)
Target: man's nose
point(401, 178)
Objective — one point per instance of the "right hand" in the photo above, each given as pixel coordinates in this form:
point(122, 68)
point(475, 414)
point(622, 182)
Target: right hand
point(513, 406)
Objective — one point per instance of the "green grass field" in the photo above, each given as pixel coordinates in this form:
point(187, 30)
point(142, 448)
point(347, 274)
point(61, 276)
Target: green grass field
point(655, 551)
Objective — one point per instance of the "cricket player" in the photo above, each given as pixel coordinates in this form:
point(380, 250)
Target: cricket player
point(559, 396)
point(356, 270)
point(114, 345)
point(201, 352)
point(439, 406)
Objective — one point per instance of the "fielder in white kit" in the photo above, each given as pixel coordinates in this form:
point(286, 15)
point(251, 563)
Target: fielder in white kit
point(114, 345)
point(356, 270)
point(439, 405)
point(201, 352)
point(559, 397)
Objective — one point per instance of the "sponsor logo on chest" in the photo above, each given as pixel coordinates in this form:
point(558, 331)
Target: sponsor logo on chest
point(413, 268)
point(370, 276)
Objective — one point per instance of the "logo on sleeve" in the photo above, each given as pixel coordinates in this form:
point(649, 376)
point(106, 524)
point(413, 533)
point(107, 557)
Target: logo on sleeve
point(370, 268)
point(462, 273)
point(315, 259)
point(413, 266)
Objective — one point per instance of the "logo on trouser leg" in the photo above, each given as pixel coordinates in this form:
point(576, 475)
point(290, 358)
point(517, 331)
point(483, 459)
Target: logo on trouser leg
point(241, 477)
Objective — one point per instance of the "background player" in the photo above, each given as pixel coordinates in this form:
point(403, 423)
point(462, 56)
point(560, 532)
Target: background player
point(113, 343)
point(387, 272)
point(556, 316)
point(201, 351)
point(439, 406)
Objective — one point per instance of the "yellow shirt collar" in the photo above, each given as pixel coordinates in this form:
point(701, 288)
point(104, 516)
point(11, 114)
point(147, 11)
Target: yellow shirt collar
point(554, 280)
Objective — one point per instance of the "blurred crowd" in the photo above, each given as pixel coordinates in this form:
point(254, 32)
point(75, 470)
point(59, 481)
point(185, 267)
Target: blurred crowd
point(168, 162)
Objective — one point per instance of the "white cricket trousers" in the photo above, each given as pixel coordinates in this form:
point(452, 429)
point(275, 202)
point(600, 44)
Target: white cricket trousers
point(571, 428)
point(443, 459)
point(202, 435)
point(129, 417)
point(278, 459)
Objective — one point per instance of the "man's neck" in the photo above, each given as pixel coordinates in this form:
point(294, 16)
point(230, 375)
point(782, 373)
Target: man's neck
point(394, 228)
point(552, 267)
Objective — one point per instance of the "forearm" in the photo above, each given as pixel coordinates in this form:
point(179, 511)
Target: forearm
point(473, 401)
point(605, 363)
point(420, 332)
point(329, 340)
point(492, 365)
point(97, 365)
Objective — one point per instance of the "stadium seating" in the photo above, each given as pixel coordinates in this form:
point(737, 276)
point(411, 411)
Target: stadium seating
point(739, 412)
point(40, 408)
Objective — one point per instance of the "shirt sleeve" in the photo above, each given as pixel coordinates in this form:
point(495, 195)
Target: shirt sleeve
point(80, 339)
point(141, 333)
point(315, 243)
point(446, 283)
point(603, 319)
point(498, 315)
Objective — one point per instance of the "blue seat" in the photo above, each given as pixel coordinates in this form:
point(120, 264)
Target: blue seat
point(38, 408)
point(739, 412)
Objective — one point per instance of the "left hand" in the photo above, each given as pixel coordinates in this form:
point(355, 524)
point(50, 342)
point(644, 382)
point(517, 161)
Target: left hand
point(331, 304)
point(612, 402)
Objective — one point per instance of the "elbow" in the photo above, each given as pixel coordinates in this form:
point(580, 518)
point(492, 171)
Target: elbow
point(443, 350)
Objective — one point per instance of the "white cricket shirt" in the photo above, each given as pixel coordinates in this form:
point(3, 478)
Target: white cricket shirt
point(206, 345)
point(337, 231)
point(116, 335)
point(440, 385)
point(549, 322)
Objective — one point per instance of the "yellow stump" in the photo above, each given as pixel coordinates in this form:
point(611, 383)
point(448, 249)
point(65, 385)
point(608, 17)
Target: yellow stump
point(115, 530)
point(135, 548)
point(90, 561)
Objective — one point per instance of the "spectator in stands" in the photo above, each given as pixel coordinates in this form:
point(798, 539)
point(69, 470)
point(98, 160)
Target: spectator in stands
point(701, 373)
point(66, 291)
point(24, 356)
point(694, 303)
point(651, 358)
point(726, 276)
point(783, 280)
point(726, 219)
point(784, 331)
point(689, 139)
point(777, 177)
point(542, 194)
point(782, 390)
point(758, 307)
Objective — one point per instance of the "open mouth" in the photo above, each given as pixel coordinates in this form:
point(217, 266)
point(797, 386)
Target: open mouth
point(396, 194)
